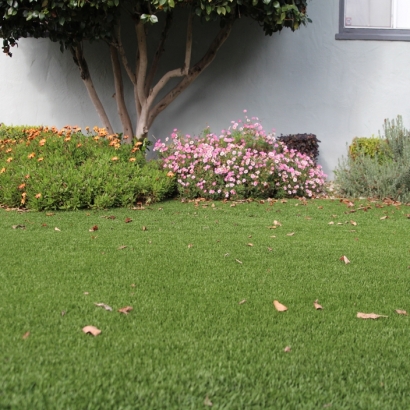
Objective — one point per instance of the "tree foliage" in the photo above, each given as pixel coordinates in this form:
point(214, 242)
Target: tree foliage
point(71, 22)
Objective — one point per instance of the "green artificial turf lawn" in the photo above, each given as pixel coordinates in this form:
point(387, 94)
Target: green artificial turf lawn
point(187, 337)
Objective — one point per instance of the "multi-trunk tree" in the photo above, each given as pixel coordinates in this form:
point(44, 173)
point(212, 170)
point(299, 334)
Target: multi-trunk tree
point(72, 22)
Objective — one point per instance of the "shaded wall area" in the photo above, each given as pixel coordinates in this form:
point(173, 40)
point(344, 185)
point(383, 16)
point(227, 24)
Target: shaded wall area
point(294, 82)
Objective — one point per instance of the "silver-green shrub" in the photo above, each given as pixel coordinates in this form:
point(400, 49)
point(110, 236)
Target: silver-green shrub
point(366, 176)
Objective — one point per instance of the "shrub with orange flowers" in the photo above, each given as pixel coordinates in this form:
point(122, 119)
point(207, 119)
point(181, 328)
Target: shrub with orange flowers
point(45, 168)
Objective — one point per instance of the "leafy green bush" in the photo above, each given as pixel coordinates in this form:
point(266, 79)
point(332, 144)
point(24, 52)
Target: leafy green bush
point(42, 168)
point(371, 147)
point(379, 176)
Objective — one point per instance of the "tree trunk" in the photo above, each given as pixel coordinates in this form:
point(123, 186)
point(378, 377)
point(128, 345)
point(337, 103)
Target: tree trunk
point(119, 97)
point(78, 57)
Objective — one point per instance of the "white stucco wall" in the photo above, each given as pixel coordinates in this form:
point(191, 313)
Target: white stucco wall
point(294, 82)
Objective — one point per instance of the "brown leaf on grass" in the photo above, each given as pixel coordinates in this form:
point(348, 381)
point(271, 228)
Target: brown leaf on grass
point(316, 305)
point(132, 285)
point(94, 228)
point(26, 335)
point(125, 310)
point(43, 224)
point(290, 234)
point(233, 205)
point(277, 223)
point(353, 223)
point(57, 229)
point(408, 216)
point(103, 305)
point(242, 302)
point(320, 207)
point(344, 259)
point(270, 249)
point(384, 217)
point(250, 244)
point(190, 245)
point(111, 217)
point(207, 402)
point(86, 293)
point(144, 228)
point(122, 247)
point(287, 349)
point(92, 330)
point(128, 220)
point(361, 315)
point(49, 213)
point(284, 201)
point(279, 307)
point(331, 223)
point(63, 312)
point(237, 260)
point(19, 227)
point(401, 312)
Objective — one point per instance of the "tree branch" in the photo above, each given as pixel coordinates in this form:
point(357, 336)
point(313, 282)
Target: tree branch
point(193, 72)
point(79, 60)
point(123, 55)
point(178, 72)
point(119, 95)
point(188, 46)
point(142, 63)
point(158, 53)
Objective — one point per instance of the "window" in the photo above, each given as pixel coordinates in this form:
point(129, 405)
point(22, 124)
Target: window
point(374, 20)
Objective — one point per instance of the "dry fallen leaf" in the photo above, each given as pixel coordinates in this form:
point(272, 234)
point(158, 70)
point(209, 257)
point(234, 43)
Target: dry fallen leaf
point(26, 335)
point(111, 217)
point(369, 315)
point(401, 312)
point(250, 244)
point(237, 260)
point(57, 229)
point(63, 312)
point(279, 307)
point(144, 228)
point(94, 228)
point(270, 249)
point(103, 305)
point(287, 349)
point(242, 302)
point(208, 402)
point(92, 330)
point(128, 220)
point(353, 223)
point(18, 227)
point(233, 205)
point(277, 223)
point(344, 259)
point(122, 247)
point(86, 293)
point(190, 245)
point(290, 234)
point(331, 223)
point(316, 305)
point(125, 310)
point(384, 217)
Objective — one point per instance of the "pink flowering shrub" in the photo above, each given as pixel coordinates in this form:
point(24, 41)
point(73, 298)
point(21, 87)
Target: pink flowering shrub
point(243, 162)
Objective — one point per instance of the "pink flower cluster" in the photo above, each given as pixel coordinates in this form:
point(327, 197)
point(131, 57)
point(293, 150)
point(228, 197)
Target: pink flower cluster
point(243, 162)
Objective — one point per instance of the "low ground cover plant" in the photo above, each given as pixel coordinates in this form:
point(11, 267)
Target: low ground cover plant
point(379, 168)
point(243, 161)
point(46, 168)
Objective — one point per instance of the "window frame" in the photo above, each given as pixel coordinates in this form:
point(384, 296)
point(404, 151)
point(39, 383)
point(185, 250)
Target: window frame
point(368, 33)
